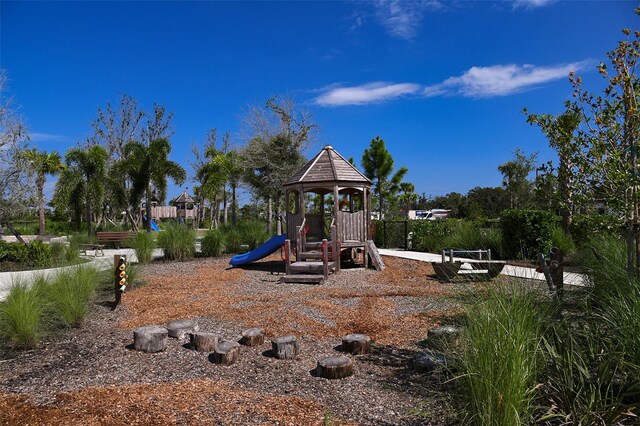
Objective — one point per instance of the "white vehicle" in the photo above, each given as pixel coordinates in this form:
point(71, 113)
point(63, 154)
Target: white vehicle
point(432, 214)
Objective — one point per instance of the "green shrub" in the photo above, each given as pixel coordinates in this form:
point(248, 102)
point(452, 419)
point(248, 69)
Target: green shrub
point(233, 239)
point(431, 235)
point(17, 252)
point(69, 294)
point(178, 241)
point(526, 233)
point(21, 317)
point(584, 227)
point(58, 253)
point(39, 254)
point(499, 357)
point(253, 233)
point(468, 235)
point(563, 241)
point(213, 243)
point(144, 244)
point(4, 250)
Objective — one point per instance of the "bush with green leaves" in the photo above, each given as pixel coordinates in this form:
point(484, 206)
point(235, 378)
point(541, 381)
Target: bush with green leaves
point(525, 233)
point(499, 356)
point(39, 254)
point(585, 227)
point(232, 238)
point(144, 243)
point(213, 243)
point(21, 317)
point(252, 233)
point(431, 235)
point(178, 241)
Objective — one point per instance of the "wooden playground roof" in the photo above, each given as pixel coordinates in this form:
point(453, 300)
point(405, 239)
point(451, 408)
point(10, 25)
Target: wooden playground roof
point(328, 166)
point(184, 198)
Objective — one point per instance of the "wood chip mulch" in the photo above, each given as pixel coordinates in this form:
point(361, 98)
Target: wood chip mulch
point(91, 375)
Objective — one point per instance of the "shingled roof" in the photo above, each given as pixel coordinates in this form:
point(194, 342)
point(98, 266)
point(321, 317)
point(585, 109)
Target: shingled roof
point(184, 198)
point(328, 166)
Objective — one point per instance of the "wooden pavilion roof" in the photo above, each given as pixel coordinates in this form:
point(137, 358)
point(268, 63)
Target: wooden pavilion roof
point(184, 198)
point(330, 167)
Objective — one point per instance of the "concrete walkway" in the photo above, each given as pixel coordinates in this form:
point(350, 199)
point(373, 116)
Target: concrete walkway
point(7, 279)
point(570, 278)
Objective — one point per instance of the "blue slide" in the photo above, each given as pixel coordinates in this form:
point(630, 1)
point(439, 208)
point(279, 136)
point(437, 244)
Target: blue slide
point(264, 250)
point(154, 226)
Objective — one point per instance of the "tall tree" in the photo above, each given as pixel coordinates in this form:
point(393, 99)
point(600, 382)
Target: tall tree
point(561, 132)
point(610, 133)
point(515, 178)
point(42, 164)
point(377, 163)
point(277, 136)
point(16, 190)
point(148, 167)
point(85, 175)
point(408, 196)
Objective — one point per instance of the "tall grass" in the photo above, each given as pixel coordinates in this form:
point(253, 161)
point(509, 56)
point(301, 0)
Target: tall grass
point(21, 317)
point(499, 357)
point(253, 233)
point(144, 243)
point(178, 242)
point(69, 293)
point(563, 241)
point(213, 243)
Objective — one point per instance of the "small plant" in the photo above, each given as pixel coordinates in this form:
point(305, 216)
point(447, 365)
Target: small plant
point(526, 232)
point(233, 240)
point(21, 317)
point(563, 241)
point(213, 243)
point(178, 242)
point(253, 233)
point(144, 244)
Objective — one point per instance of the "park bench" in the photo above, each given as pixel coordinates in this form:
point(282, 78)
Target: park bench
point(115, 237)
point(451, 267)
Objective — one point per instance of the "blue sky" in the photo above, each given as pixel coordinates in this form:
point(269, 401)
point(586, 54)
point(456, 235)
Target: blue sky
point(443, 83)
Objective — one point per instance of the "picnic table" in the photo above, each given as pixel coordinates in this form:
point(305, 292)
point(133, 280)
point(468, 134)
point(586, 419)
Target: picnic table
point(451, 267)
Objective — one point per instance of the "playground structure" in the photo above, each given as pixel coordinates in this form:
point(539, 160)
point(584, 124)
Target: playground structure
point(184, 209)
point(328, 204)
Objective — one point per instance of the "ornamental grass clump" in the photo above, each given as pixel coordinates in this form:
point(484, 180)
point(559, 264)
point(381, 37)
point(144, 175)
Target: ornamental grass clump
point(499, 357)
point(178, 242)
point(69, 293)
point(144, 243)
point(21, 317)
point(213, 243)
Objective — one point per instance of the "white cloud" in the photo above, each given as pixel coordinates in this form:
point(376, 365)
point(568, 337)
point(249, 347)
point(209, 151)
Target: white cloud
point(47, 137)
point(365, 94)
point(500, 80)
point(402, 18)
point(531, 4)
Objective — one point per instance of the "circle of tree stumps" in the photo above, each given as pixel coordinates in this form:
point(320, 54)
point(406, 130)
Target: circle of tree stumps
point(226, 353)
point(285, 347)
point(150, 338)
point(204, 342)
point(356, 344)
point(334, 367)
point(180, 328)
point(252, 337)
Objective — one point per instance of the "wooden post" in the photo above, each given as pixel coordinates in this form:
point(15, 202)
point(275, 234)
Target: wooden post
point(322, 234)
point(557, 270)
point(544, 268)
point(287, 256)
point(119, 276)
point(336, 207)
point(325, 259)
point(336, 249)
point(444, 257)
point(406, 235)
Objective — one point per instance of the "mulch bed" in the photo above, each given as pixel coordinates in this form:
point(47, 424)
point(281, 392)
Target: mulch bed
point(91, 375)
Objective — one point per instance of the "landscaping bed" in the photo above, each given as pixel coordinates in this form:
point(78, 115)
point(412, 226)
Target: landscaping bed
point(91, 375)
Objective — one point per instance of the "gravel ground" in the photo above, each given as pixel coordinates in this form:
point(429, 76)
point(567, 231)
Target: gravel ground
point(91, 375)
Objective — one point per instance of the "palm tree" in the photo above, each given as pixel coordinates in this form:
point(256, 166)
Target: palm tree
point(229, 167)
point(148, 166)
point(91, 165)
point(42, 164)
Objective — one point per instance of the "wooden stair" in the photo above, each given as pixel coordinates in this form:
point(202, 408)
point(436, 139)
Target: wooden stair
point(311, 255)
point(302, 279)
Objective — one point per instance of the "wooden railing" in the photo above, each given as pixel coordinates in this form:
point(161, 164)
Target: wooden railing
point(302, 238)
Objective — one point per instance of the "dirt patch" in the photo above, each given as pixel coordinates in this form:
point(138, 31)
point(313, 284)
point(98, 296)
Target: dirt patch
point(91, 375)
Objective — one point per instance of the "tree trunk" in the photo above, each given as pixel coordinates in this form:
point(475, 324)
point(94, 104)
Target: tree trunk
point(226, 353)
point(225, 206)
point(334, 367)
point(269, 215)
point(15, 233)
point(252, 337)
point(40, 187)
point(147, 206)
point(150, 338)
point(204, 342)
point(356, 344)
point(233, 204)
point(181, 328)
point(89, 230)
point(285, 347)
point(277, 216)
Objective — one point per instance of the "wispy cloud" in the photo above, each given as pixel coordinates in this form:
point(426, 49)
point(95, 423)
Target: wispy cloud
point(401, 18)
point(47, 137)
point(531, 4)
point(477, 82)
point(365, 94)
point(501, 80)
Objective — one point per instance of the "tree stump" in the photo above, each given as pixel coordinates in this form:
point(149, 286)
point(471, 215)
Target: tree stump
point(252, 337)
point(151, 338)
point(334, 367)
point(442, 337)
point(285, 347)
point(180, 328)
point(356, 344)
point(204, 342)
point(226, 353)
